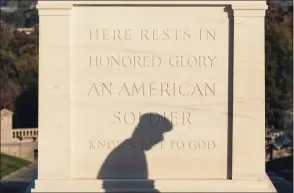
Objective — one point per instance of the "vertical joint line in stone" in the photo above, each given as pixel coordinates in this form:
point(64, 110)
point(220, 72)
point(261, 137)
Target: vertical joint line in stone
point(229, 10)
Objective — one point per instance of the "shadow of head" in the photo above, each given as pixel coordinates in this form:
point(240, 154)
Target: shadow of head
point(150, 130)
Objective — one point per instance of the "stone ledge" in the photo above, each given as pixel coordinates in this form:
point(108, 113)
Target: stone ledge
point(241, 4)
point(161, 185)
point(54, 6)
point(249, 7)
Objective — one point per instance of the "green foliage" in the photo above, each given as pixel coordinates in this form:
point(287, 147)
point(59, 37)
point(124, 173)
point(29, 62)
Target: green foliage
point(19, 72)
point(9, 86)
point(10, 164)
point(23, 16)
point(279, 65)
point(19, 63)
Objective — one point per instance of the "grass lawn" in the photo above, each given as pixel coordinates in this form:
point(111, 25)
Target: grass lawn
point(10, 164)
point(282, 167)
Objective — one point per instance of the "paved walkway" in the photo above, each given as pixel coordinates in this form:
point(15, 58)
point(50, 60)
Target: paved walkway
point(282, 185)
point(18, 181)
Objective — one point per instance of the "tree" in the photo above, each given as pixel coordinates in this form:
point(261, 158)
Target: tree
point(19, 74)
point(9, 87)
point(25, 14)
point(279, 60)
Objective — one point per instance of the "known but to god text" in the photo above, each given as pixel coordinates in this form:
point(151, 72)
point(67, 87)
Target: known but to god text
point(172, 144)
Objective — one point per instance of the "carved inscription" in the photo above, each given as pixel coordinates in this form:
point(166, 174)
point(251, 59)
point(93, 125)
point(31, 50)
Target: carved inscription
point(152, 89)
point(151, 61)
point(108, 34)
point(192, 88)
point(173, 144)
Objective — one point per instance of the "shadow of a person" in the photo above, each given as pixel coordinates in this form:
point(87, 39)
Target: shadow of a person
point(126, 168)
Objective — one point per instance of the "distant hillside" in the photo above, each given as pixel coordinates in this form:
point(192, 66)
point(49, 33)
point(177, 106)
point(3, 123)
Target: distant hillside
point(19, 13)
point(16, 3)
